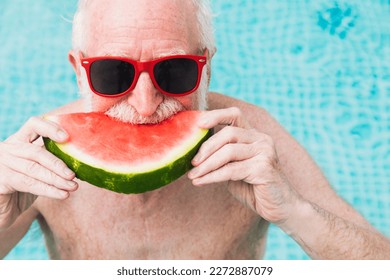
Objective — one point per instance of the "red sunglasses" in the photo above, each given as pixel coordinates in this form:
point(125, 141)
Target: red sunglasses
point(113, 76)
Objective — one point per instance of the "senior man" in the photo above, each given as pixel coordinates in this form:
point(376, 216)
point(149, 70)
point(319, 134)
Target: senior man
point(249, 174)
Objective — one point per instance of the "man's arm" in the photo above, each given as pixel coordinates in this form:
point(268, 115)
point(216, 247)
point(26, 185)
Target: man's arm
point(323, 224)
point(288, 187)
point(325, 235)
point(12, 235)
point(27, 171)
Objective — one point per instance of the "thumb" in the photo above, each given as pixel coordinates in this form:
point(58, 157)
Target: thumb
point(36, 127)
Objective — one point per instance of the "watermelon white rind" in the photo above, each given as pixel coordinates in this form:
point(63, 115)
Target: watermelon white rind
point(120, 175)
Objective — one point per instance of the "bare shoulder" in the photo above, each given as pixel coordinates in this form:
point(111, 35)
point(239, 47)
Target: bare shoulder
point(257, 116)
point(220, 101)
point(288, 149)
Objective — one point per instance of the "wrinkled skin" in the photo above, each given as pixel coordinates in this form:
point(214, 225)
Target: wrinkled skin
point(250, 173)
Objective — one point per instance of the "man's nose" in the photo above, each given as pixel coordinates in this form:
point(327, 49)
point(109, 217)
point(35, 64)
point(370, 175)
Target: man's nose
point(145, 98)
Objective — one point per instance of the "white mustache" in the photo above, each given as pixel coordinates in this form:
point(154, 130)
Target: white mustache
point(124, 112)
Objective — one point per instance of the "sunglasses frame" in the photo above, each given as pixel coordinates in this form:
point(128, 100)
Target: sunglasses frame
point(144, 66)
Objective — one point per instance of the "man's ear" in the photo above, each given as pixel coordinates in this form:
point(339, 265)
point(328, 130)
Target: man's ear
point(212, 52)
point(209, 57)
point(74, 59)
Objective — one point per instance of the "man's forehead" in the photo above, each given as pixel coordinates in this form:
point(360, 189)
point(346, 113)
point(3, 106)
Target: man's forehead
point(125, 30)
point(102, 44)
point(141, 22)
point(158, 53)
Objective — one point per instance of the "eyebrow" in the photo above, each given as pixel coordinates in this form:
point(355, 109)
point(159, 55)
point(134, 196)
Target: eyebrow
point(170, 52)
point(156, 56)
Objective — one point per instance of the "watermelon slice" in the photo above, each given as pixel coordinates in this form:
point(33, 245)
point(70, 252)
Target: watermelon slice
point(128, 158)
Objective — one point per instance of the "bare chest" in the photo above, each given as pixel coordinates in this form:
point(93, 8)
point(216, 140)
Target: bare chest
point(176, 222)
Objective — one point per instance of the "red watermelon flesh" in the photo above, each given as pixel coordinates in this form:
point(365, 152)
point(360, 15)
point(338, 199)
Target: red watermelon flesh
point(124, 157)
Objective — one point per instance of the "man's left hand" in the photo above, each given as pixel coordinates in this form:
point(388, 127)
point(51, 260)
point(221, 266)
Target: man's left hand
point(247, 159)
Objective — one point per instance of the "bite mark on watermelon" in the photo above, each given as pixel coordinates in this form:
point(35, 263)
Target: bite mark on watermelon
point(128, 158)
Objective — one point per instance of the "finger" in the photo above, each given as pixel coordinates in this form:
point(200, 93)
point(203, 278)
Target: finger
point(22, 183)
point(36, 127)
point(228, 153)
point(225, 136)
point(44, 158)
point(232, 171)
point(229, 116)
point(38, 172)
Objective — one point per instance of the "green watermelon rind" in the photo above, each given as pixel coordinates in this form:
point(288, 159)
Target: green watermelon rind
point(127, 183)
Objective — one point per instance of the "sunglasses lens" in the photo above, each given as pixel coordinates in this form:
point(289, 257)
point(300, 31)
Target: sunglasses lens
point(111, 76)
point(177, 75)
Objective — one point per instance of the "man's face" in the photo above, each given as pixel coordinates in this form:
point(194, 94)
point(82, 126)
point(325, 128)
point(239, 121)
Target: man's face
point(141, 30)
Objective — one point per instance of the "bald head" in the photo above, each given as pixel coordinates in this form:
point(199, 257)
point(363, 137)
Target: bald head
point(142, 31)
point(95, 19)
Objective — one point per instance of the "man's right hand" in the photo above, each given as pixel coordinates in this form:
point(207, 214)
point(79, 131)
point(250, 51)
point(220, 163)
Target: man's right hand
point(28, 170)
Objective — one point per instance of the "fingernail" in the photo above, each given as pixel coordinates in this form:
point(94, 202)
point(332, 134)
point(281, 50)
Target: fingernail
point(71, 184)
point(196, 182)
point(196, 158)
point(68, 172)
point(62, 135)
point(191, 174)
point(203, 121)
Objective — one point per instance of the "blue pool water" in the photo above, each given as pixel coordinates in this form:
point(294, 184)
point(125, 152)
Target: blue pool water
point(320, 67)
